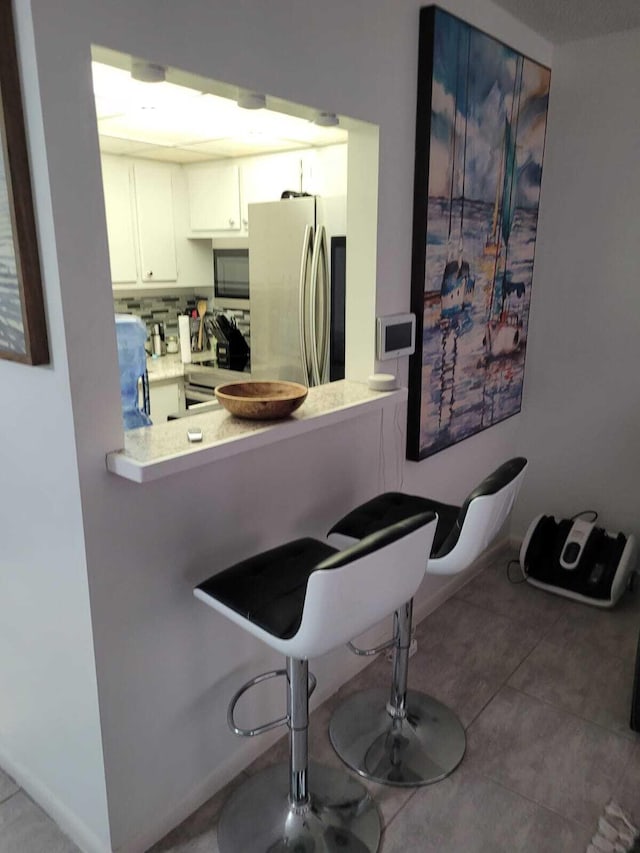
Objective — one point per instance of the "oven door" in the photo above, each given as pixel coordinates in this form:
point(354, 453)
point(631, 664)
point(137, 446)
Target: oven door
point(194, 394)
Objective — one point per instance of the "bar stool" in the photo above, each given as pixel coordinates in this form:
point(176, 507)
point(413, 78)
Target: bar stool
point(409, 738)
point(303, 599)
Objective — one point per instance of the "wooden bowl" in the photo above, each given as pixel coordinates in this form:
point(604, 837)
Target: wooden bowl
point(261, 400)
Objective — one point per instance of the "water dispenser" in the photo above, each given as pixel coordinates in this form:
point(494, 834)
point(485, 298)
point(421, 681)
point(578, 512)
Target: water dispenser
point(131, 335)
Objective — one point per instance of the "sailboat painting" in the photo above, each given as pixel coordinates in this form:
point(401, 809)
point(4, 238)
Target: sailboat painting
point(480, 132)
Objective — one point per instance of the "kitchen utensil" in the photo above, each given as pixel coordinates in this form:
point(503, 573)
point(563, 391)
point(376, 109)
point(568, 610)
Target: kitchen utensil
point(202, 310)
point(156, 340)
point(261, 400)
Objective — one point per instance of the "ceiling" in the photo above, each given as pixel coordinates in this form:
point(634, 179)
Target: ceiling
point(187, 121)
point(569, 20)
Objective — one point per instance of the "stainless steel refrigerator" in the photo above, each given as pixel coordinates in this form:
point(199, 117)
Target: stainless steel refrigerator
point(293, 327)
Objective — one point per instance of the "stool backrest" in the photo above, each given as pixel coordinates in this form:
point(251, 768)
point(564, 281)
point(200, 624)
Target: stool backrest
point(480, 518)
point(354, 589)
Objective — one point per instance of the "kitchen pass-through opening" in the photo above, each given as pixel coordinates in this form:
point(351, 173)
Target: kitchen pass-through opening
point(319, 171)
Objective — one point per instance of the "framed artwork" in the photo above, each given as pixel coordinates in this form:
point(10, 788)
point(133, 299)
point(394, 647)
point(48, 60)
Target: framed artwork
point(23, 331)
point(480, 132)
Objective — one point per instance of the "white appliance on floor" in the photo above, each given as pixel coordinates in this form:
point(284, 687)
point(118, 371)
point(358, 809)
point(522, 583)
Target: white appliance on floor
point(577, 559)
point(293, 326)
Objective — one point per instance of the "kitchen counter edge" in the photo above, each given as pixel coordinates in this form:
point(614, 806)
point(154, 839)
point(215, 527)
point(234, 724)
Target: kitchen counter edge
point(151, 453)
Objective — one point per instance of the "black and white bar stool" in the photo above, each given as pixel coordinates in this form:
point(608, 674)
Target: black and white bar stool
point(408, 738)
point(304, 599)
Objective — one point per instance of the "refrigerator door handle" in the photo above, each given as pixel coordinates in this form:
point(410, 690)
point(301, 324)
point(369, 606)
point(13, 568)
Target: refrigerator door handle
point(317, 299)
point(302, 303)
point(323, 351)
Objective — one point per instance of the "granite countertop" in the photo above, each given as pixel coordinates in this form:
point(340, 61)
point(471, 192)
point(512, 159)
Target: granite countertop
point(158, 451)
point(164, 368)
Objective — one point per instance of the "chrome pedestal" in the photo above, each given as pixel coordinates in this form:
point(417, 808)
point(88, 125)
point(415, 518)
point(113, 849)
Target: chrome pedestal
point(407, 739)
point(297, 809)
point(339, 817)
point(424, 746)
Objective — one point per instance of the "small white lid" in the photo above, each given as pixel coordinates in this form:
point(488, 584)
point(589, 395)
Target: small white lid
point(382, 382)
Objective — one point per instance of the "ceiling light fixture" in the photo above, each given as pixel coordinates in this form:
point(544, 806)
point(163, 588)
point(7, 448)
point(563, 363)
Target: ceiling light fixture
point(148, 72)
point(327, 120)
point(251, 101)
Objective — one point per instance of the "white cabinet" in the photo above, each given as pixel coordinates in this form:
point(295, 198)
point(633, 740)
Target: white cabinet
point(147, 212)
point(165, 399)
point(214, 197)
point(156, 229)
point(266, 178)
point(118, 201)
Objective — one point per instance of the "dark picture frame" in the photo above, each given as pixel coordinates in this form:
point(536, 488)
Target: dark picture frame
point(23, 330)
point(480, 133)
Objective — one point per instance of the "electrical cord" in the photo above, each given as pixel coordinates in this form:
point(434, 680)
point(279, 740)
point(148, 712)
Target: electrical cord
point(584, 512)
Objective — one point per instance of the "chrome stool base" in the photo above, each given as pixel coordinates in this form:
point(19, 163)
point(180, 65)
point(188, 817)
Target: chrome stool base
point(341, 817)
point(424, 747)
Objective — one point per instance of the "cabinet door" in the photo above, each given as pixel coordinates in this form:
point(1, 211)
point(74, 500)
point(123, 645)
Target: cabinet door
point(214, 197)
point(156, 232)
point(164, 400)
point(266, 178)
point(118, 203)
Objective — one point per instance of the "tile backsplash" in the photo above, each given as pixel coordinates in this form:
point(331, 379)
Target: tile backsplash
point(165, 309)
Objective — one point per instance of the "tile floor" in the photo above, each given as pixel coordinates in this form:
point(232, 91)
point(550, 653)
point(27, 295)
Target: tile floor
point(543, 686)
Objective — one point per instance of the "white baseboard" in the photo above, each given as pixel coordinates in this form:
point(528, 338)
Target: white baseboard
point(67, 820)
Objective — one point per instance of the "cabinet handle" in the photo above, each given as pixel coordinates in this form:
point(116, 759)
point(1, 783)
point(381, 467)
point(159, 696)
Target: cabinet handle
point(150, 274)
point(232, 222)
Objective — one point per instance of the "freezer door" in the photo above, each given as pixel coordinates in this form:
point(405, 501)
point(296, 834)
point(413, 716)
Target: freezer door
point(280, 253)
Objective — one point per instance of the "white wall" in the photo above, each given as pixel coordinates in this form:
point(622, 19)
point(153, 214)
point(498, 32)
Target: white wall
point(49, 721)
point(166, 666)
point(581, 411)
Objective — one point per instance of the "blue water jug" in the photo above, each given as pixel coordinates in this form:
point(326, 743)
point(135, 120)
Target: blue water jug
point(131, 334)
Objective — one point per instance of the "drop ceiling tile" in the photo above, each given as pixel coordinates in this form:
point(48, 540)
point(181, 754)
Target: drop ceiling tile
point(178, 155)
point(116, 145)
point(244, 147)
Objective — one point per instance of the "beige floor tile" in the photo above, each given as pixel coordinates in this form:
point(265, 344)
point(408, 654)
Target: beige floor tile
point(465, 654)
point(628, 791)
point(611, 632)
point(595, 686)
point(470, 814)
point(197, 834)
point(7, 786)
point(555, 758)
point(521, 602)
point(25, 828)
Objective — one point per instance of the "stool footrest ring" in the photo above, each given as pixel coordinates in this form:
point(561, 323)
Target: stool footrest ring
point(368, 652)
point(267, 727)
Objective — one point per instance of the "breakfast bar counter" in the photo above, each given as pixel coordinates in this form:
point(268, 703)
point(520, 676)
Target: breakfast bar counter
point(153, 452)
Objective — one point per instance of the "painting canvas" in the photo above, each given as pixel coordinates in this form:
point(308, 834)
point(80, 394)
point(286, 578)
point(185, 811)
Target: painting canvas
point(480, 132)
point(23, 335)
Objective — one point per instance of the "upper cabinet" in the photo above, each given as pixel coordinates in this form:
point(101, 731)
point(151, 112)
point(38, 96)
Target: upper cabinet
point(147, 212)
point(118, 202)
point(156, 229)
point(214, 197)
point(220, 193)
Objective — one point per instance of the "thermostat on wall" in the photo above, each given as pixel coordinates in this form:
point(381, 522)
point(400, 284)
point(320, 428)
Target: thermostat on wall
point(396, 336)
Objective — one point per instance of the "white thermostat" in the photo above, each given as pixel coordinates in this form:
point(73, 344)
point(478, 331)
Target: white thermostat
point(396, 336)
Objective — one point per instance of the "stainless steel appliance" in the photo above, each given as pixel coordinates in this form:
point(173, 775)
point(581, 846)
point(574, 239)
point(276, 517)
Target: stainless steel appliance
point(231, 273)
point(200, 380)
point(290, 273)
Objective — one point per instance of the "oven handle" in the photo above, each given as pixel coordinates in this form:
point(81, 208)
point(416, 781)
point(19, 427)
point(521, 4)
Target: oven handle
point(192, 393)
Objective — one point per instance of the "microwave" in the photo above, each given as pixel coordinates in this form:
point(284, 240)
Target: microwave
point(231, 273)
